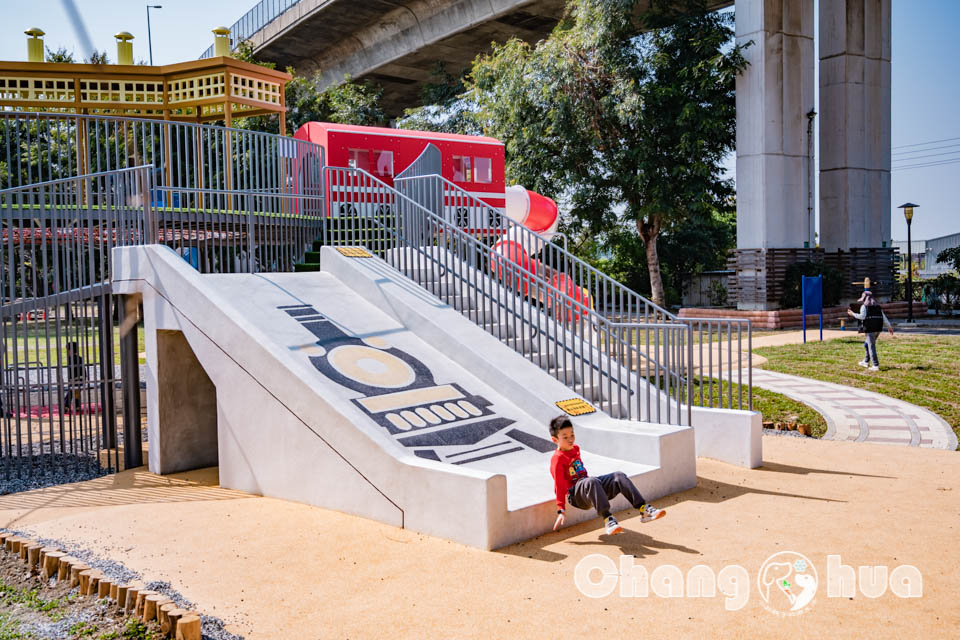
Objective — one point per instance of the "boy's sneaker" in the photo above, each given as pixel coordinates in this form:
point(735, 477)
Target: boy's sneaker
point(613, 527)
point(650, 513)
point(864, 364)
point(874, 368)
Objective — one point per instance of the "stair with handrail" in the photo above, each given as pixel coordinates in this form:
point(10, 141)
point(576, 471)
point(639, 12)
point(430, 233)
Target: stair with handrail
point(631, 367)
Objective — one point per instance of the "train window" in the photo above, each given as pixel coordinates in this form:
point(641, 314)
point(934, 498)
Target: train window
point(384, 166)
point(482, 170)
point(360, 159)
point(461, 169)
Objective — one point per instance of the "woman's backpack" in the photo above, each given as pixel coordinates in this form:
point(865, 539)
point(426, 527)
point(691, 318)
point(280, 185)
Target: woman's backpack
point(873, 321)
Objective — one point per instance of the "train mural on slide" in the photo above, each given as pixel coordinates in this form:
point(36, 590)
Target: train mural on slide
point(473, 165)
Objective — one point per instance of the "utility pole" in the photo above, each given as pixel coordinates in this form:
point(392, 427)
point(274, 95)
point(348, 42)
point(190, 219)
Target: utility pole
point(149, 37)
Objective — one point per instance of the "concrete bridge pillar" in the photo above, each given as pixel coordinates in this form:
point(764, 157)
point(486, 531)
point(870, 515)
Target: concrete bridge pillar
point(774, 145)
point(855, 136)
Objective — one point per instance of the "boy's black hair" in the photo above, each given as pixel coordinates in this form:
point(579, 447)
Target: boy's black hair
point(560, 422)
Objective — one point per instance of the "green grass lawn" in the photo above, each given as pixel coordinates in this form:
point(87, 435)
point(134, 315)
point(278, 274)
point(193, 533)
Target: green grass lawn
point(756, 333)
point(36, 345)
point(774, 407)
point(711, 337)
point(923, 370)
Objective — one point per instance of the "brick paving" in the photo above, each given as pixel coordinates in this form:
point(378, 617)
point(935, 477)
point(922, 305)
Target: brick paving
point(863, 416)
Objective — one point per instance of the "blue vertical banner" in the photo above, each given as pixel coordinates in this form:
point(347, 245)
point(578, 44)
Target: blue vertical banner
point(811, 289)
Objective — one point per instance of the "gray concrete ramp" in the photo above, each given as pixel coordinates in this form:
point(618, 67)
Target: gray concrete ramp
point(353, 390)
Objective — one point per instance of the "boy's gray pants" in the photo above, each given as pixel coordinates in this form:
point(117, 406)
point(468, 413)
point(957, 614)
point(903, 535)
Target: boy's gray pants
point(870, 346)
point(597, 491)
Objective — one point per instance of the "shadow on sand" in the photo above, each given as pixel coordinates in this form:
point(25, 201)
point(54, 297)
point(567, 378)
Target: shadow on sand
point(641, 545)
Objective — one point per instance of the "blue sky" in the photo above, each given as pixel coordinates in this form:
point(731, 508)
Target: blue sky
point(925, 79)
point(926, 105)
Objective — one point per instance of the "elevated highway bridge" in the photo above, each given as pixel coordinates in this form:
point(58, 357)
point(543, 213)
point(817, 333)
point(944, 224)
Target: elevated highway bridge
point(397, 43)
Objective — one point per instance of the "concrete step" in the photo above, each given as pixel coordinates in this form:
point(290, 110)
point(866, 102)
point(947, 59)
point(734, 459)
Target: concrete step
point(449, 287)
point(566, 375)
point(427, 275)
point(498, 330)
point(460, 303)
point(483, 315)
point(615, 410)
point(525, 346)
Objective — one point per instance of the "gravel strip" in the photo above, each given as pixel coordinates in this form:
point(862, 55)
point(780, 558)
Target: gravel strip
point(212, 628)
point(46, 470)
point(785, 432)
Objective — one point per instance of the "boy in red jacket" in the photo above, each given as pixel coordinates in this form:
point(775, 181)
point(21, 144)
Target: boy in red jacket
point(571, 482)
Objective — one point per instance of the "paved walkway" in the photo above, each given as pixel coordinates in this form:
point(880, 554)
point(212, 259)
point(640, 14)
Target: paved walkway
point(862, 416)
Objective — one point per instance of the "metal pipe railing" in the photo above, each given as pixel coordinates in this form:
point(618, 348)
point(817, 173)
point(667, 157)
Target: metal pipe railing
point(557, 331)
point(557, 264)
point(56, 320)
point(253, 20)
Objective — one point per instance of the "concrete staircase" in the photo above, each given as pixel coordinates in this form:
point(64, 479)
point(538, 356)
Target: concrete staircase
point(311, 259)
point(583, 374)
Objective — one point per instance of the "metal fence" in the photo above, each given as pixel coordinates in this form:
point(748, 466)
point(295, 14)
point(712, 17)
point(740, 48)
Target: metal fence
point(226, 199)
point(530, 309)
point(60, 379)
point(253, 20)
point(717, 362)
point(73, 187)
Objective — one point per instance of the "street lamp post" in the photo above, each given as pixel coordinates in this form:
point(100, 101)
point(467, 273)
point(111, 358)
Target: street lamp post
point(908, 214)
point(149, 38)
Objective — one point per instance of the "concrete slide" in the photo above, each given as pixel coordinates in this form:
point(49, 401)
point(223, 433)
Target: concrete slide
point(354, 389)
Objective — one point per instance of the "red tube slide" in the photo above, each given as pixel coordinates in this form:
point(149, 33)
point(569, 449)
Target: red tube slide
point(539, 214)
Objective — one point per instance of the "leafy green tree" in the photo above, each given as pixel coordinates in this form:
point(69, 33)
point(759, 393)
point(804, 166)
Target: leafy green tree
point(687, 248)
point(833, 287)
point(447, 108)
point(619, 127)
point(951, 256)
point(63, 54)
point(60, 55)
point(98, 57)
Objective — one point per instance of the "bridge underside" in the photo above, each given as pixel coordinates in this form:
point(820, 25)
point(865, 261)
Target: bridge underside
point(399, 43)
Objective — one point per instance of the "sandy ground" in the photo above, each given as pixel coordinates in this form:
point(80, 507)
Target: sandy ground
point(275, 569)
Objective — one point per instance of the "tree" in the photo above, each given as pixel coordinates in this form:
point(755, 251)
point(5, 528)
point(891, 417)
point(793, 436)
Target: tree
point(63, 54)
point(60, 55)
point(448, 109)
point(347, 102)
point(98, 57)
point(619, 127)
point(951, 256)
point(687, 248)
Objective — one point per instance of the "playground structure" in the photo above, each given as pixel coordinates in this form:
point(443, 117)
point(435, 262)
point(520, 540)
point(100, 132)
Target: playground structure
point(626, 364)
point(357, 390)
point(475, 196)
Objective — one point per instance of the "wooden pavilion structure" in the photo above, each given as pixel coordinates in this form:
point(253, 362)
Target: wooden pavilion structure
point(207, 90)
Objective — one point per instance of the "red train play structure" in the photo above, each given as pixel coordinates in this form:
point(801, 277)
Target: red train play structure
point(475, 164)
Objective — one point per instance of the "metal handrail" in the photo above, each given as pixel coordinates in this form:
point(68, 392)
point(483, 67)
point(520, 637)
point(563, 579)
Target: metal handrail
point(509, 225)
point(438, 190)
point(416, 227)
point(86, 176)
point(262, 14)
